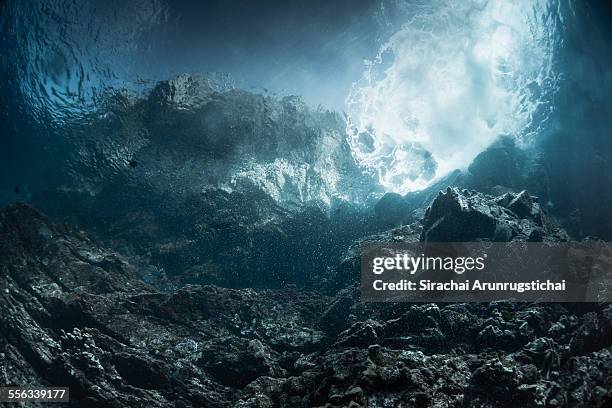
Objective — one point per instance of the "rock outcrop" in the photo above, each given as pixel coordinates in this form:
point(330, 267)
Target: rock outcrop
point(462, 216)
point(73, 313)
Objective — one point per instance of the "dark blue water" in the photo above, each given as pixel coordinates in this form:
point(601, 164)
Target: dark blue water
point(83, 115)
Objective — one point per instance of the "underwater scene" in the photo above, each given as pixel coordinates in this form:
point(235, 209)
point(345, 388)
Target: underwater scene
point(191, 191)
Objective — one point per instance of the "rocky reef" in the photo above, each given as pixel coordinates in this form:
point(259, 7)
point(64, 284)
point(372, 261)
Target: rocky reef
point(74, 312)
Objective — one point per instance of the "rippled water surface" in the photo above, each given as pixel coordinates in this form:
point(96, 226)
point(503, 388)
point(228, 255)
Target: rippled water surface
point(452, 79)
point(441, 81)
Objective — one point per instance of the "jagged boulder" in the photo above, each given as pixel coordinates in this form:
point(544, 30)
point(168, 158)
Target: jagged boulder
point(455, 216)
point(462, 216)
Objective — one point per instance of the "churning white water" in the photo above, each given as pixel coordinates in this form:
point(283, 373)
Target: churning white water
point(452, 79)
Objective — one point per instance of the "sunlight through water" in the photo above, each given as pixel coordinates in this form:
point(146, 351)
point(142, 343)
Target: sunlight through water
point(452, 79)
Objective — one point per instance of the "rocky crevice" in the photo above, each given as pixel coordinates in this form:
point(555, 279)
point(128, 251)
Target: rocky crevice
point(75, 313)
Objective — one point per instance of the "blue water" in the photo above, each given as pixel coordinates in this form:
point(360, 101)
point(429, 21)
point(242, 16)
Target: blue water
point(425, 87)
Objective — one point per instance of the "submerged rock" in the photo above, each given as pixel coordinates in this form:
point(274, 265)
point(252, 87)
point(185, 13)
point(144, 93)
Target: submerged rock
point(76, 314)
point(459, 216)
point(463, 216)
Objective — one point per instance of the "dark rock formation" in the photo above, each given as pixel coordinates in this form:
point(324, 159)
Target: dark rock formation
point(75, 314)
point(460, 216)
point(456, 216)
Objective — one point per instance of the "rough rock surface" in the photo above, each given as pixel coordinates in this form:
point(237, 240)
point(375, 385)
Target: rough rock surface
point(468, 216)
point(460, 216)
point(74, 313)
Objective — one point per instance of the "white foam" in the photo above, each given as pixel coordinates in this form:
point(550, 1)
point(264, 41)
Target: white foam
point(452, 79)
